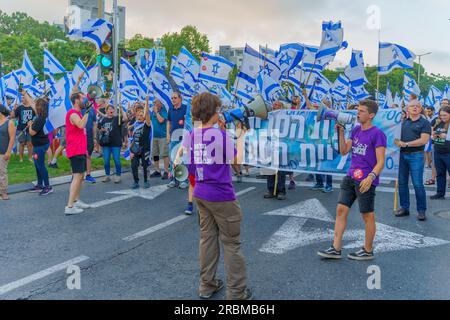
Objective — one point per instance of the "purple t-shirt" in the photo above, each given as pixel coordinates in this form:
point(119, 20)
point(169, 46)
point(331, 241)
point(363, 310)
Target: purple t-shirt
point(364, 157)
point(211, 153)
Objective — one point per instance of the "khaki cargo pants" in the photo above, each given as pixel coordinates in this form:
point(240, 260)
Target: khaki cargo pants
point(3, 175)
point(221, 220)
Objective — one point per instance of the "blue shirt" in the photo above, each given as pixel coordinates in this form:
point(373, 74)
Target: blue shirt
point(159, 129)
point(90, 123)
point(177, 117)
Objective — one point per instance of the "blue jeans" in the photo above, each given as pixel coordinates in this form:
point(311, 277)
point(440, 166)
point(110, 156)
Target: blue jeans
point(39, 164)
point(320, 178)
point(442, 163)
point(412, 164)
point(115, 151)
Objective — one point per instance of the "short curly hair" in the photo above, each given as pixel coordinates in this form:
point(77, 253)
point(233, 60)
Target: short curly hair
point(205, 106)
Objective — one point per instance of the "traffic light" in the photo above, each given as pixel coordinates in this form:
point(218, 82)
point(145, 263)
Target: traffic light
point(105, 58)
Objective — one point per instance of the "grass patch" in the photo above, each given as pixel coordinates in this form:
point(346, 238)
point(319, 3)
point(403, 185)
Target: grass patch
point(25, 172)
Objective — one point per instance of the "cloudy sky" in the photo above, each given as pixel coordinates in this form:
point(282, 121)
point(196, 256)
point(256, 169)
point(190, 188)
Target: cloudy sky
point(420, 25)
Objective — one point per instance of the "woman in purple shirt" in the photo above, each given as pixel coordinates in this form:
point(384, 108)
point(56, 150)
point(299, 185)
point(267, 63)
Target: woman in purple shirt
point(211, 154)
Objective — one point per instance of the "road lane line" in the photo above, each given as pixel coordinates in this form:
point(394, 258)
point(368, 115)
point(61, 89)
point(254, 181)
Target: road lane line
point(111, 201)
point(170, 222)
point(42, 274)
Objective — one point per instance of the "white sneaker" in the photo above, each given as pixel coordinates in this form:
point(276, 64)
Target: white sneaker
point(72, 211)
point(81, 205)
point(117, 179)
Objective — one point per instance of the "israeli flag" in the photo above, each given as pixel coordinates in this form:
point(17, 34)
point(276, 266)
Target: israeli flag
point(447, 92)
point(340, 89)
point(59, 104)
point(253, 63)
point(332, 40)
point(289, 57)
point(245, 88)
point(380, 98)
point(93, 74)
point(92, 30)
point(187, 62)
point(389, 101)
point(392, 56)
point(318, 88)
point(79, 70)
point(32, 89)
point(355, 70)
point(128, 75)
point(161, 87)
point(359, 93)
point(2, 92)
point(398, 99)
point(176, 73)
point(27, 73)
point(12, 83)
point(434, 97)
point(268, 87)
point(214, 70)
point(267, 52)
point(48, 86)
point(410, 86)
point(312, 63)
point(294, 77)
point(51, 64)
point(226, 97)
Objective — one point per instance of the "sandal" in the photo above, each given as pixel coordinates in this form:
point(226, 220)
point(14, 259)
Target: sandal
point(430, 182)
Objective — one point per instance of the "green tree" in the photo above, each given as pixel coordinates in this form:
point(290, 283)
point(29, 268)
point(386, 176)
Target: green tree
point(138, 42)
point(188, 37)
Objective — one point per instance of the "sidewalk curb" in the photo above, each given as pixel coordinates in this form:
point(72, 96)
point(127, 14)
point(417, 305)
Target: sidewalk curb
point(57, 181)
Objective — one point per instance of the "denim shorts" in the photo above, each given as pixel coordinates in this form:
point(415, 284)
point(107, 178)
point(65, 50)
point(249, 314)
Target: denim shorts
point(350, 192)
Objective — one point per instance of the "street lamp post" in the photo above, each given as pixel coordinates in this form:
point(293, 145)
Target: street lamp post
point(420, 65)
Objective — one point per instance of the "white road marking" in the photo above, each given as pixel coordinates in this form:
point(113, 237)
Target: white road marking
point(42, 274)
point(310, 184)
point(293, 234)
point(148, 194)
point(170, 222)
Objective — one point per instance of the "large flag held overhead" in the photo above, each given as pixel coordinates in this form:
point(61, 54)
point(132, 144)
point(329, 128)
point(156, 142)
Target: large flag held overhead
point(79, 70)
point(27, 73)
point(289, 56)
point(355, 71)
point(389, 99)
point(270, 89)
point(214, 70)
point(11, 81)
point(161, 87)
point(340, 89)
point(410, 86)
point(51, 64)
point(332, 40)
point(59, 104)
point(92, 30)
point(392, 56)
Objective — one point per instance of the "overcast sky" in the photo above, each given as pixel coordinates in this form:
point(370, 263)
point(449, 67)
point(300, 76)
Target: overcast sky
point(420, 25)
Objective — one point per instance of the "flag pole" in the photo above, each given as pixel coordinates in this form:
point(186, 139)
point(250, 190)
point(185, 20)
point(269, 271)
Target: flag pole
point(378, 67)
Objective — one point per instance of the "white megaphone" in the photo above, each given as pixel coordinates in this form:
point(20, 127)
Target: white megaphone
point(258, 108)
point(342, 118)
point(180, 172)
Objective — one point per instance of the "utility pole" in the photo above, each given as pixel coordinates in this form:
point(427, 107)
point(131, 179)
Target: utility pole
point(115, 51)
point(100, 15)
point(420, 65)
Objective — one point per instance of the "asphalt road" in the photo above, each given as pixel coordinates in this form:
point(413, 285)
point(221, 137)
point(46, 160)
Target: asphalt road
point(117, 260)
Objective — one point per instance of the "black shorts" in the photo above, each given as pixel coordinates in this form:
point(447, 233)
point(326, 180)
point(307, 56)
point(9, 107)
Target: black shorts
point(78, 164)
point(350, 192)
point(90, 145)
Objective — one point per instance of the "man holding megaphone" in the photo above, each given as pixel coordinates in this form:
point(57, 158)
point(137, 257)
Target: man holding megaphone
point(368, 146)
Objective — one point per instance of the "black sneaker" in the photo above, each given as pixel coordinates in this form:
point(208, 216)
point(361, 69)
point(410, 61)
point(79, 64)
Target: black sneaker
point(437, 197)
point(361, 255)
point(269, 195)
point(402, 213)
point(155, 174)
point(247, 295)
point(46, 191)
point(330, 253)
point(219, 287)
point(53, 166)
point(281, 196)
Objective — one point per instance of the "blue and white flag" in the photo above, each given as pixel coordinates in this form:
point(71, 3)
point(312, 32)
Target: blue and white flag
point(128, 76)
point(270, 89)
point(51, 65)
point(161, 87)
point(59, 104)
point(359, 93)
point(392, 56)
point(355, 70)
point(3, 92)
point(447, 92)
point(434, 97)
point(187, 62)
point(380, 98)
point(267, 52)
point(340, 89)
point(226, 97)
point(27, 73)
point(11, 81)
point(410, 86)
point(79, 70)
point(93, 74)
point(176, 73)
point(294, 77)
point(312, 63)
point(33, 89)
point(332, 40)
point(318, 88)
point(289, 57)
point(214, 70)
point(92, 30)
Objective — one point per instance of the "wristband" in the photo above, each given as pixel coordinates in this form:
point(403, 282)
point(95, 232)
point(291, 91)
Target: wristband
point(374, 176)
